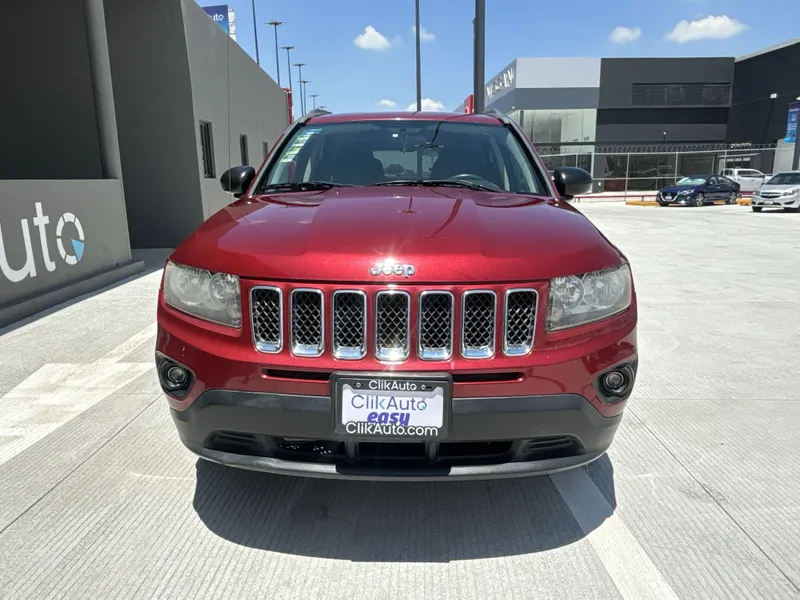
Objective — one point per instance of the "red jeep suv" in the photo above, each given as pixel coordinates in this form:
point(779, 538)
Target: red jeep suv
point(398, 296)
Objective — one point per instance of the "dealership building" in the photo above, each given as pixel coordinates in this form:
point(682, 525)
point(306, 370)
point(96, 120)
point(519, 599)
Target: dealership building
point(636, 123)
point(117, 121)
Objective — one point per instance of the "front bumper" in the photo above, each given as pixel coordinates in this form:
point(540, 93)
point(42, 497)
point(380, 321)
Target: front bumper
point(489, 438)
point(779, 202)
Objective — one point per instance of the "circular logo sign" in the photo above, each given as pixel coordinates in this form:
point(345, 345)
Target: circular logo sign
point(73, 257)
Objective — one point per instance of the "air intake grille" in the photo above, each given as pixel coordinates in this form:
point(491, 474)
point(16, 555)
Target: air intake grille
point(392, 325)
point(436, 325)
point(349, 321)
point(347, 313)
point(307, 322)
point(267, 307)
point(520, 311)
point(478, 326)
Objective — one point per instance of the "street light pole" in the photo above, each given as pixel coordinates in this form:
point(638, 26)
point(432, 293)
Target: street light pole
point(299, 77)
point(305, 83)
point(419, 69)
point(314, 99)
point(255, 32)
point(288, 64)
point(277, 24)
point(480, 55)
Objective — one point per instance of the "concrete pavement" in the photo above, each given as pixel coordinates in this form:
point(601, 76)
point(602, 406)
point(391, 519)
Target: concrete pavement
point(699, 496)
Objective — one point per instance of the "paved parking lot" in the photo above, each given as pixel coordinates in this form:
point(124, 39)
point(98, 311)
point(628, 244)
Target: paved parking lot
point(699, 496)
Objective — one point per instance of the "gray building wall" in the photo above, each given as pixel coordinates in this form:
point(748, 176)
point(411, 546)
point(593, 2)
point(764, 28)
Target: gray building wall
point(235, 95)
point(153, 96)
point(47, 113)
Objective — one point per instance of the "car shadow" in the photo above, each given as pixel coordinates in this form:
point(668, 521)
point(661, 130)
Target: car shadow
point(394, 522)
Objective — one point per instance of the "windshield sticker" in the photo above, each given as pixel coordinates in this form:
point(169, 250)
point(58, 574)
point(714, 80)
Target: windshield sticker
point(298, 144)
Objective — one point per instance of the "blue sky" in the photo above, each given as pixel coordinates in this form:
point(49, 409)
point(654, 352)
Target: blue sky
point(352, 77)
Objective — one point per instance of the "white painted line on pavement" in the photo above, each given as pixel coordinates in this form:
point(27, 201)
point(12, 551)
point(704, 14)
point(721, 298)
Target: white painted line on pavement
point(626, 562)
point(129, 345)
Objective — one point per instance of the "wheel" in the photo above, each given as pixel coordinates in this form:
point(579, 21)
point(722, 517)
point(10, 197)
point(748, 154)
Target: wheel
point(791, 209)
point(662, 203)
point(699, 200)
point(731, 199)
point(756, 208)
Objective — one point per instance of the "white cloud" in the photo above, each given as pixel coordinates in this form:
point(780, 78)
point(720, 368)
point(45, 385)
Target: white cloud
point(372, 39)
point(386, 103)
point(625, 35)
point(424, 34)
point(427, 104)
point(710, 28)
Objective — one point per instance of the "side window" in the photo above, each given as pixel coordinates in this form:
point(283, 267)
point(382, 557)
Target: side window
point(727, 173)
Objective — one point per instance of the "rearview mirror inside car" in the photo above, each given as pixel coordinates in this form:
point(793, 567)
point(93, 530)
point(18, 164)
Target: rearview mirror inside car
point(571, 182)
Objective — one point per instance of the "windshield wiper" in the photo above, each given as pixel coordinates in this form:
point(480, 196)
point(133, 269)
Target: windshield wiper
point(301, 186)
point(441, 183)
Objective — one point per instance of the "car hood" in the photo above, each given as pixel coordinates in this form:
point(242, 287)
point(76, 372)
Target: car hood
point(778, 188)
point(674, 189)
point(448, 235)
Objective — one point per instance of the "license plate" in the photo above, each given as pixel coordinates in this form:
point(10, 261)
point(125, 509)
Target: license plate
point(768, 202)
point(387, 407)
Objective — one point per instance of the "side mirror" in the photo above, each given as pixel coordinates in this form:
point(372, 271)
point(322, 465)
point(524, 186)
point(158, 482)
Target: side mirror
point(236, 180)
point(571, 182)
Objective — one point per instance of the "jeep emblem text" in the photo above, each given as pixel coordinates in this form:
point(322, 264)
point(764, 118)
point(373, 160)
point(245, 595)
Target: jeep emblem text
point(390, 268)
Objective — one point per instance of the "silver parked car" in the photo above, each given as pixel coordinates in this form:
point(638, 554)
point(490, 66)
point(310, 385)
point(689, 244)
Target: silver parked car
point(749, 180)
point(782, 190)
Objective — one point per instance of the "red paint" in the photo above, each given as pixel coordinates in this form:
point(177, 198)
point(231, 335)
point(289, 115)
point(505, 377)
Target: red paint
point(457, 239)
point(469, 104)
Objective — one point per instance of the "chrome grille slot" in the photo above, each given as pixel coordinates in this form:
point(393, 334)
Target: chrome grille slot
point(435, 325)
point(307, 324)
point(266, 305)
point(520, 319)
point(478, 324)
point(349, 324)
point(392, 325)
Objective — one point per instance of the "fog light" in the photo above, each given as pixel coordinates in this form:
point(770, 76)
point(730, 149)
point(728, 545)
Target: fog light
point(177, 376)
point(614, 381)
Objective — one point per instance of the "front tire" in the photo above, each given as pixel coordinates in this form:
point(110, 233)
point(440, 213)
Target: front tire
point(756, 208)
point(699, 200)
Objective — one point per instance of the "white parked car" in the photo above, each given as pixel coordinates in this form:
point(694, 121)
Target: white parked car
point(782, 190)
point(749, 180)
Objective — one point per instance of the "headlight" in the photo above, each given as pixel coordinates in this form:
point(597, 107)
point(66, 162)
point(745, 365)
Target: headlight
point(210, 296)
point(579, 299)
point(791, 192)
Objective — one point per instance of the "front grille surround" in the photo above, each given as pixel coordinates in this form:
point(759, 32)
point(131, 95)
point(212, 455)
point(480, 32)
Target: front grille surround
point(267, 329)
point(478, 324)
point(307, 334)
point(519, 320)
point(349, 324)
point(435, 325)
point(392, 330)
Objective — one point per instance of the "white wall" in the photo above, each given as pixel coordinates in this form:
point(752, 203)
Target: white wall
point(232, 93)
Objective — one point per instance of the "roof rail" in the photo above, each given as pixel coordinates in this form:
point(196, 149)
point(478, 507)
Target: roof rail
point(493, 112)
point(317, 112)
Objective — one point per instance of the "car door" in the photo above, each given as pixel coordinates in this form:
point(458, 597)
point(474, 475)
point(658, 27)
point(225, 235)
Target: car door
point(712, 189)
point(726, 187)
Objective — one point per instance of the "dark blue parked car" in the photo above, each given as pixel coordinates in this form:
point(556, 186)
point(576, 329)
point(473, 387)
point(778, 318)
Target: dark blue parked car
point(697, 190)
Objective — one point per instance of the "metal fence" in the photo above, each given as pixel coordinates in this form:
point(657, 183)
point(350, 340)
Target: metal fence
point(640, 168)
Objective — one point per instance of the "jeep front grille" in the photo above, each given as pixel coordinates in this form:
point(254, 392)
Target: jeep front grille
point(307, 322)
point(435, 325)
point(392, 321)
point(349, 324)
point(520, 314)
point(443, 323)
point(478, 324)
point(267, 309)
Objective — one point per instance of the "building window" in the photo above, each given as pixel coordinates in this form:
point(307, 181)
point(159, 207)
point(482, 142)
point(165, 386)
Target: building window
point(680, 94)
point(265, 146)
point(207, 148)
point(243, 150)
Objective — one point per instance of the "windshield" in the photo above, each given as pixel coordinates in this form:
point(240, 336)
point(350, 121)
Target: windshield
point(692, 181)
point(785, 179)
point(406, 151)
